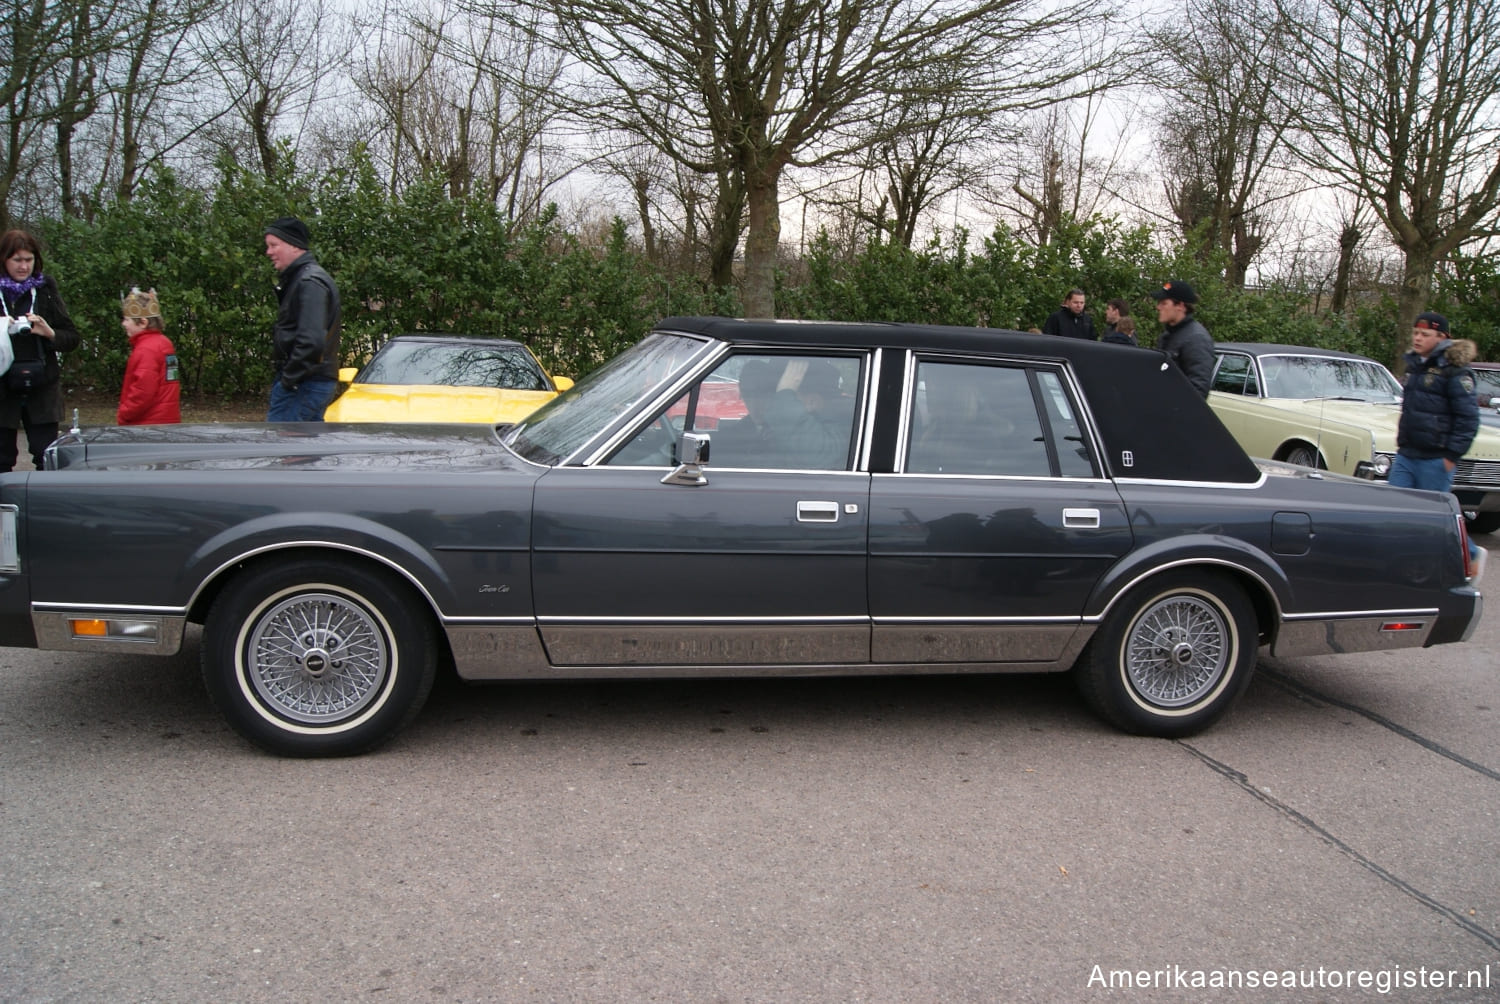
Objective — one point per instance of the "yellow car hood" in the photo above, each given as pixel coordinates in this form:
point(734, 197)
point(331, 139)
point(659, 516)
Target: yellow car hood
point(373, 402)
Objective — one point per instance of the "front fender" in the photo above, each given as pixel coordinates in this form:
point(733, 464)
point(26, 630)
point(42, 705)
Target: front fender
point(318, 530)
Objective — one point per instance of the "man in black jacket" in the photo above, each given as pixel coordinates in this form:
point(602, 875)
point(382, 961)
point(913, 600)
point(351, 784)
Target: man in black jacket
point(305, 339)
point(1186, 342)
point(1069, 319)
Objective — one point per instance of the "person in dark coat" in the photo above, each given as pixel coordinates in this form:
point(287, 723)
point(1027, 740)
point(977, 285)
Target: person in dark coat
point(1070, 319)
point(305, 339)
point(1185, 341)
point(1439, 411)
point(1439, 407)
point(1122, 332)
point(1116, 316)
point(39, 327)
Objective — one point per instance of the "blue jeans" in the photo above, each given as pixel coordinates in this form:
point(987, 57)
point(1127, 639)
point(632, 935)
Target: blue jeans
point(1432, 475)
point(304, 403)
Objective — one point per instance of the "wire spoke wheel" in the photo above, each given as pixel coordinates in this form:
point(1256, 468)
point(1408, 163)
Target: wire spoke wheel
point(1304, 456)
point(318, 657)
point(1173, 654)
point(1177, 650)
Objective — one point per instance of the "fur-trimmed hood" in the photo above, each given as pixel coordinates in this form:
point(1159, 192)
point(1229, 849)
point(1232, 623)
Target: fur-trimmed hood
point(1461, 352)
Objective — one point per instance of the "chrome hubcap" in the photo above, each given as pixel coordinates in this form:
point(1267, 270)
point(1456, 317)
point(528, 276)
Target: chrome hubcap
point(1177, 651)
point(318, 657)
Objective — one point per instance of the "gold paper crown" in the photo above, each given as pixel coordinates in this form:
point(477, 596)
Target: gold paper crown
point(140, 305)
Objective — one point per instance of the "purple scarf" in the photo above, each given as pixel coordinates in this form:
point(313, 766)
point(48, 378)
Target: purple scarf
point(18, 288)
point(15, 290)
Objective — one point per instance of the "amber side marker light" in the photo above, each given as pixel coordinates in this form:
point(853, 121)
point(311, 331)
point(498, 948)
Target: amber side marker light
point(120, 630)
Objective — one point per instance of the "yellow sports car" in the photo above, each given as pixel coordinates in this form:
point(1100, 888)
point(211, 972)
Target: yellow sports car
point(446, 378)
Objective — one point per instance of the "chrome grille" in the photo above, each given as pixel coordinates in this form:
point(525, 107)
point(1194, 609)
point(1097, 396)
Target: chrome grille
point(1477, 474)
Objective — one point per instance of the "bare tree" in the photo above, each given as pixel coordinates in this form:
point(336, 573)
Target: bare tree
point(157, 92)
point(274, 58)
point(1069, 159)
point(744, 89)
point(52, 51)
point(916, 166)
point(105, 88)
point(1224, 126)
point(467, 98)
point(1039, 176)
point(671, 205)
point(1406, 115)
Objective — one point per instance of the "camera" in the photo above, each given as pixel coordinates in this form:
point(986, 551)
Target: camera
point(18, 325)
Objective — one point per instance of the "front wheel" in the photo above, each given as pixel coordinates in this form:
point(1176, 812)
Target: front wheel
point(318, 657)
point(1173, 655)
point(1305, 456)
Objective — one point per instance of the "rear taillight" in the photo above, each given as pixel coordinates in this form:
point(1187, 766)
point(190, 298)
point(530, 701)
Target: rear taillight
point(1471, 567)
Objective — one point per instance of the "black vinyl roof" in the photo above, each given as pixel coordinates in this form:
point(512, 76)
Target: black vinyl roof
point(882, 335)
point(1153, 423)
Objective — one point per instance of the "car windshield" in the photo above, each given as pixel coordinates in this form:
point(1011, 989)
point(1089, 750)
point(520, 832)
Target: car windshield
point(561, 426)
point(1308, 377)
point(455, 364)
point(1488, 381)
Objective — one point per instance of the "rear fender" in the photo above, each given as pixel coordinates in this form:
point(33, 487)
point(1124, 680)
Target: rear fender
point(1262, 578)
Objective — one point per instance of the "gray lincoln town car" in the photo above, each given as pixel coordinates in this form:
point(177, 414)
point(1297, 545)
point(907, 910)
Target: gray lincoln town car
point(726, 498)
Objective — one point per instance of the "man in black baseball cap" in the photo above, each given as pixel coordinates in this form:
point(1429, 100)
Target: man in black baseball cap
point(305, 338)
point(1185, 341)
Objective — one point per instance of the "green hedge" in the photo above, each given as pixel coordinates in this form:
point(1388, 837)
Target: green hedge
point(420, 261)
point(417, 262)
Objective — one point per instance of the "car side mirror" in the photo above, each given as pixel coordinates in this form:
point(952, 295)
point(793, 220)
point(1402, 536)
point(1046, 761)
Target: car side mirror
point(562, 383)
point(347, 374)
point(692, 453)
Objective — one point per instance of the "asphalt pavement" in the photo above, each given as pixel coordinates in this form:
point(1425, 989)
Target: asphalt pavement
point(931, 838)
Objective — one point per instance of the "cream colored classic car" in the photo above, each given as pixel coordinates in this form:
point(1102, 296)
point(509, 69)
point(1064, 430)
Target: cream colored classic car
point(1335, 411)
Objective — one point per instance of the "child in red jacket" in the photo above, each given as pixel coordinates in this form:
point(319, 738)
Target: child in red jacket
point(151, 394)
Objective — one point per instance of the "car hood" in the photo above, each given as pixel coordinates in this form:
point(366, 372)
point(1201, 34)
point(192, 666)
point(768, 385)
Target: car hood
point(372, 402)
point(283, 446)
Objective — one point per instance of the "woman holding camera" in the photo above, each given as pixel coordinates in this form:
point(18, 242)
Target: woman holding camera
point(39, 327)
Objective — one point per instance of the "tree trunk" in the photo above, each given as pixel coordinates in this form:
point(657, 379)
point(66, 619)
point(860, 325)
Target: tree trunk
point(1348, 244)
point(1416, 287)
point(640, 184)
point(761, 242)
point(724, 234)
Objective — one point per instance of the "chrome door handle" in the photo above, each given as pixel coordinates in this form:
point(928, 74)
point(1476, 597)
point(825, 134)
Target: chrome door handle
point(817, 512)
point(1082, 519)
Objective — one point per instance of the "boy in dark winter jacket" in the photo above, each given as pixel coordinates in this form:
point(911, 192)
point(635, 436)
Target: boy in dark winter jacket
point(1439, 410)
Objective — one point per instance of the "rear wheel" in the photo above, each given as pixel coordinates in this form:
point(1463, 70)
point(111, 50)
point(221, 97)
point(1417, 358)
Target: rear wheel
point(1172, 656)
point(318, 658)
